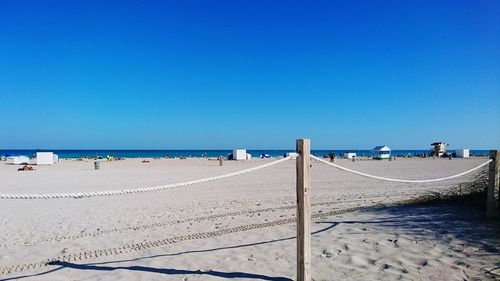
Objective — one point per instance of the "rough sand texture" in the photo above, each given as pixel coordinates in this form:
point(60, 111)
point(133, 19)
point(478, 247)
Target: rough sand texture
point(240, 227)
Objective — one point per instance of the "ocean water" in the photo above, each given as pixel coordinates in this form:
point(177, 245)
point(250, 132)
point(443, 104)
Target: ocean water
point(65, 153)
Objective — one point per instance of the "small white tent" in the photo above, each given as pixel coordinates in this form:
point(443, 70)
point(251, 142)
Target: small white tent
point(381, 152)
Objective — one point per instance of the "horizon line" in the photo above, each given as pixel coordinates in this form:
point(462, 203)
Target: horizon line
point(211, 149)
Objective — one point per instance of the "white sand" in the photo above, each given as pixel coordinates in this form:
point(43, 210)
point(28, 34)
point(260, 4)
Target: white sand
point(390, 244)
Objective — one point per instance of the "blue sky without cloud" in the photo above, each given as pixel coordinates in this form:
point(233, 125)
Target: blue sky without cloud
point(254, 74)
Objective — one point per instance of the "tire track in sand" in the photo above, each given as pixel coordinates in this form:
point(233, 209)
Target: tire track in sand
point(135, 247)
point(178, 221)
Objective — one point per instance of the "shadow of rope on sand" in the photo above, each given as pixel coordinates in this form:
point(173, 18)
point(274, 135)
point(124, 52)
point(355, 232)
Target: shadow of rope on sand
point(98, 266)
point(172, 271)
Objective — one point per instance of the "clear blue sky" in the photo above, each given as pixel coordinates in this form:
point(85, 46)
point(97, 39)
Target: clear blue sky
point(254, 74)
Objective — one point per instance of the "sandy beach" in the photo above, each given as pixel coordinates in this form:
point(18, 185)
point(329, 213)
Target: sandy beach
point(116, 114)
point(241, 227)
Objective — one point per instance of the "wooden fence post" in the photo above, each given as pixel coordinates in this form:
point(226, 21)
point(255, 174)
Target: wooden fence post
point(303, 210)
point(493, 185)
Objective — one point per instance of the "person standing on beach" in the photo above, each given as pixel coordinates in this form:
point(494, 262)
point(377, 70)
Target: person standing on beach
point(332, 156)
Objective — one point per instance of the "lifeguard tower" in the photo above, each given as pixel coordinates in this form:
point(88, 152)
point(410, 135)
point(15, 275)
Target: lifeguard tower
point(381, 152)
point(438, 149)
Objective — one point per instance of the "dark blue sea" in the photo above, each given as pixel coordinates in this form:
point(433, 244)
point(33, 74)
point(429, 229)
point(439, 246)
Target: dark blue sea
point(70, 153)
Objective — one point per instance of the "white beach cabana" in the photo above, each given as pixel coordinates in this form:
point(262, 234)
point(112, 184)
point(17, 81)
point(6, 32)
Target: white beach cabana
point(462, 153)
point(46, 158)
point(350, 155)
point(239, 154)
point(381, 152)
point(17, 160)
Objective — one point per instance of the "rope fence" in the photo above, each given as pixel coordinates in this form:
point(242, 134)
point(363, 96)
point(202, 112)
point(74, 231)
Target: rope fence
point(138, 190)
point(220, 177)
point(400, 180)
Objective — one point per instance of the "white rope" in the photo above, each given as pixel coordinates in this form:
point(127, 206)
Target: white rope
point(400, 180)
point(136, 190)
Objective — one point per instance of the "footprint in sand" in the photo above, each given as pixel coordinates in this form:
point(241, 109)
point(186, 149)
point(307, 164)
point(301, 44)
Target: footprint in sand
point(384, 267)
point(327, 253)
point(423, 263)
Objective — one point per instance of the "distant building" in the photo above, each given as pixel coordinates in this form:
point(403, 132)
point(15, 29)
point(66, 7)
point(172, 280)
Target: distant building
point(438, 149)
point(381, 152)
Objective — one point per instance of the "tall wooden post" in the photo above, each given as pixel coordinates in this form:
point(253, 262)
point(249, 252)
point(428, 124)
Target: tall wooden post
point(303, 210)
point(493, 185)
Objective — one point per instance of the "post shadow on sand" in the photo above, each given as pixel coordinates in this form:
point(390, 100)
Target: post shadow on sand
point(228, 275)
